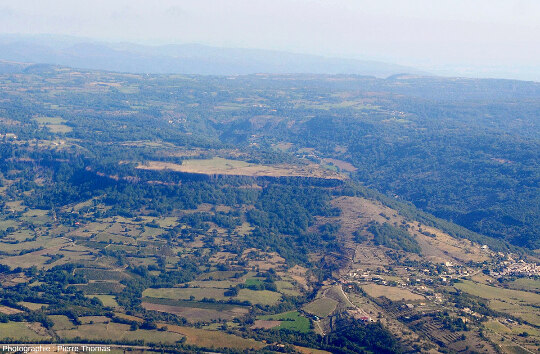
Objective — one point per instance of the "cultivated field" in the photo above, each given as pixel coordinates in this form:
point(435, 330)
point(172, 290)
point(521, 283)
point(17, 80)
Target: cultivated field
point(23, 331)
point(118, 331)
point(32, 305)
point(214, 339)
point(8, 310)
point(391, 292)
point(263, 297)
point(185, 293)
point(321, 307)
point(525, 284)
point(61, 322)
point(195, 311)
point(54, 124)
point(517, 303)
point(495, 293)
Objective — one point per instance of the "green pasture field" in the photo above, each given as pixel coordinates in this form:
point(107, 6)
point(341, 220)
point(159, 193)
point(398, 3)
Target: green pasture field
point(61, 322)
point(45, 242)
point(526, 284)
point(254, 282)
point(262, 297)
point(81, 205)
point(292, 320)
point(106, 300)
point(94, 319)
point(517, 303)
point(21, 331)
point(287, 288)
point(497, 327)
point(492, 293)
point(515, 308)
point(4, 224)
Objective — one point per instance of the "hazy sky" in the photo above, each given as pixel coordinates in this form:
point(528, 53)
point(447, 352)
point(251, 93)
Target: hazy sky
point(428, 32)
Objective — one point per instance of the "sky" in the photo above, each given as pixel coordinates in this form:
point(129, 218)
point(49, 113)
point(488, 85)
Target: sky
point(467, 35)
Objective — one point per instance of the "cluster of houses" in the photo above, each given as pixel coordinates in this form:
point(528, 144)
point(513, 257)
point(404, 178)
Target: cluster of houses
point(519, 268)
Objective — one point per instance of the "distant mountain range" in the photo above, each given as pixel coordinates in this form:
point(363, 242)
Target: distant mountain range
point(183, 59)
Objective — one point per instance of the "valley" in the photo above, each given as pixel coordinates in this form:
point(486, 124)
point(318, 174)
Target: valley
point(268, 213)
